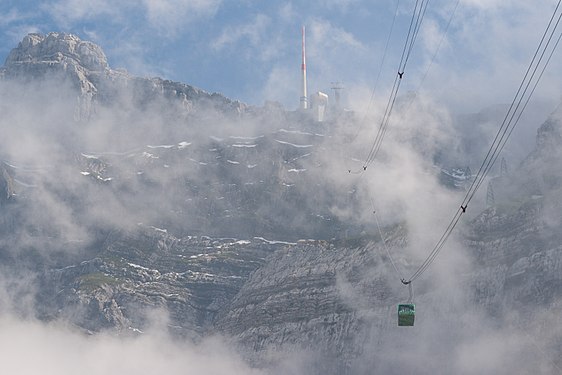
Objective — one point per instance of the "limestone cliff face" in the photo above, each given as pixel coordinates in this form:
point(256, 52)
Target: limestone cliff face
point(317, 299)
point(300, 299)
point(189, 280)
point(60, 56)
point(7, 189)
point(55, 48)
point(549, 136)
point(518, 241)
point(63, 56)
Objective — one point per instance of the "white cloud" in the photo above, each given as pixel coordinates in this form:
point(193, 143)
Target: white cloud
point(491, 4)
point(16, 24)
point(484, 54)
point(171, 16)
point(167, 17)
point(9, 17)
point(432, 35)
point(282, 84)
point(56, 349)
point(67, 12)
point(287, 12)
point(131, 54)
point(325, 35)
point(16, 33)
point(340, 4)
point(252, 32)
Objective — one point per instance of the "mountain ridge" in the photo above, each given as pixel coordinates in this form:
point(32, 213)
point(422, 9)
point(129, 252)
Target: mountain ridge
point(85, 65)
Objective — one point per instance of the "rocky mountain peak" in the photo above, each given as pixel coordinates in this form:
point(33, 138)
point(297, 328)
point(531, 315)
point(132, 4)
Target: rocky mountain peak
point(57, 48)
point(549, 134)
point(56, 56)
point(83, 64)
point(548, 144)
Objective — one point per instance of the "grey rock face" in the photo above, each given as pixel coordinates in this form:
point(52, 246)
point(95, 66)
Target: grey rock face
point(317, 298)
point(517, 241)
point(57, 48)
point(296, 301)
point(549, 137)
point(63, 56)
point(7, 189)
point(190, 279)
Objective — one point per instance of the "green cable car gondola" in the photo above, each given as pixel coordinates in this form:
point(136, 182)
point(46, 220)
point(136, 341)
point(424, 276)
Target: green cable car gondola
point(406, 314)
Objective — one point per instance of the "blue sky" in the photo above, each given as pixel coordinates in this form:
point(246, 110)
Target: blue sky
point(250, 49)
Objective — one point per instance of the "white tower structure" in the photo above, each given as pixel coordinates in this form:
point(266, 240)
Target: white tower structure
point(318, 104)
point(304, 99)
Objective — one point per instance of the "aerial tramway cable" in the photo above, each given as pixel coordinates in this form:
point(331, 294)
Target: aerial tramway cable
point(507, 131)
point(380, 70)
point(511, 119)
point(434, 54)
point(413, 31)
point(390, 257)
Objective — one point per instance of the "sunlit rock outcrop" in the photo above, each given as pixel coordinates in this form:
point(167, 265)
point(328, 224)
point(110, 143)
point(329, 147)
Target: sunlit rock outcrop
point(62, 56)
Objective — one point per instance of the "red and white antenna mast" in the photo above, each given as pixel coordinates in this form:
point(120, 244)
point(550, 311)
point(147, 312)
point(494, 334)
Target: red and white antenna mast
point(304, 100)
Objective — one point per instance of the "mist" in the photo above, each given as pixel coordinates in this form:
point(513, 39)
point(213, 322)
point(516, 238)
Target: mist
point(139, 154)
point(31, 346)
